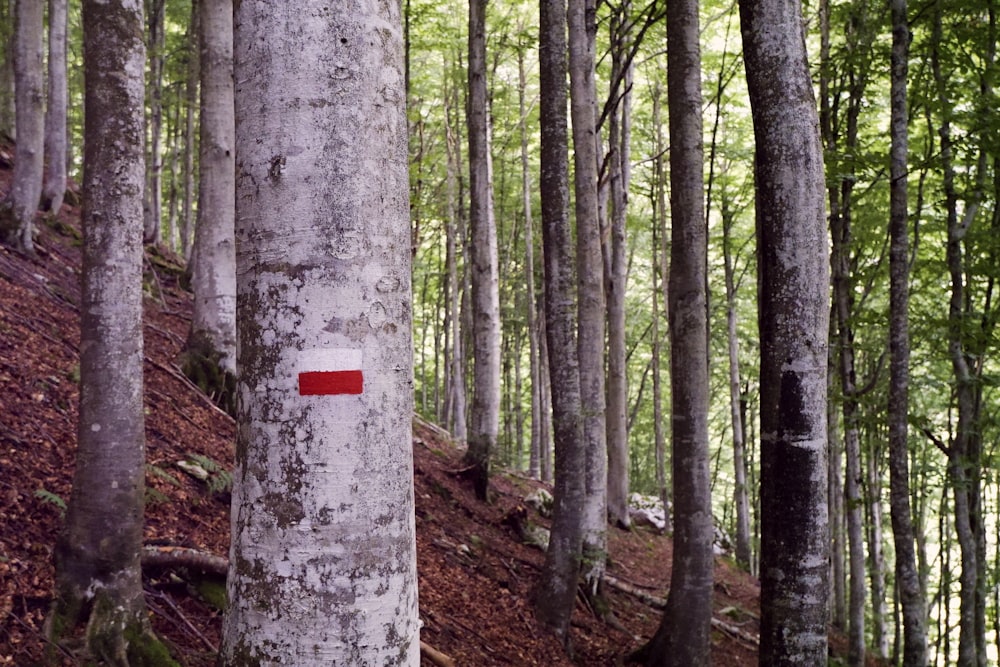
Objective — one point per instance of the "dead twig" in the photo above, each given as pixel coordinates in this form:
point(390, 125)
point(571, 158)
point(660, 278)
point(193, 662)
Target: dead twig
point(435, 656)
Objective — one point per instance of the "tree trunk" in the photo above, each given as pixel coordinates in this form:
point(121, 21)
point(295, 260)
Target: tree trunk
point(98, 574)
point(17, 224)
point(7, 93)
point(485, 415)
point(793, 274)
point(153, 202)
point(537, 416)
point(55, 113)
point(660, 270)
point(210, 352)
point(191, 88)
point(581, 20)
point(684, 632)
point(323, 482)
point(556, 594)
point(616, 278)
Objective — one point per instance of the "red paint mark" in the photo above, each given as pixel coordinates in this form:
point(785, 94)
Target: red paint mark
point(326, 383)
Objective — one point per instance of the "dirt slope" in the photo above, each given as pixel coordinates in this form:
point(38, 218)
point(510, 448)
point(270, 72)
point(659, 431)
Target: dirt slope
point(476, 577)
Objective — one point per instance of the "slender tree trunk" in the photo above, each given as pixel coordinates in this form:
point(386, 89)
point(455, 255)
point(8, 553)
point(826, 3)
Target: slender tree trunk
point(616, 278)
point(98, 575)
point(7, 93)
point(535, 456)
point(485, 415)
point(876, 554)
point(210, 352)
point(684, 632)
point(55, 112)
point(581, 20)
point(556, 594)
point(660, 270)
point(793, 274)
point(17, 224)
point(323, 482)
point(154, 178)
point(191, 87)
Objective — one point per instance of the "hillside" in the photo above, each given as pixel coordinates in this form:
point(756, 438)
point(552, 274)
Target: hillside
point(476, 577)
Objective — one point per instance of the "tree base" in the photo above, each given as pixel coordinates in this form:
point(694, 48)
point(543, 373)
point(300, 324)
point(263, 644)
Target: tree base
point(200, 362)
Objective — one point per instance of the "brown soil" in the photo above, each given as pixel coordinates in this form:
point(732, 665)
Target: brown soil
point(476, 577)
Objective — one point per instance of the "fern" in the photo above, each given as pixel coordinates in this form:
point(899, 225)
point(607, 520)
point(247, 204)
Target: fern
point(219, 479)
point(51, 498)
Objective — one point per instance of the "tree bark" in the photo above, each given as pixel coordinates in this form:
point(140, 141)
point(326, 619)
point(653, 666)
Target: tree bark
point(55, 112)
point(210, 352)
point(556, 594)
point(793, 275)
point(581, 19)
point(484, 423)
point(619, 174)
point(153, 202)
point(98, 573)
point(684, 632)
point(17, 224)
point(323, 481)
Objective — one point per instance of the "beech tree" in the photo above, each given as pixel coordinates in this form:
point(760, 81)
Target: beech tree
point(683, 635)
point(98, 575)
point(323, 481)
point(210, 355)
point(55, 111)
point(17, 223)
point(556, 594)
point(484, 422)
point(793, 274)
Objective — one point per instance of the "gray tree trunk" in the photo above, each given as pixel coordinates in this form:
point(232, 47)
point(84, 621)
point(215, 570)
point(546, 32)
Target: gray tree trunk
point(556, 595)
point(323, 558)
point(191, 87)
point(18, 225)
point(793, 274)
point(153, 202)
point(55, 112)
point(210, 352)
point(660, 270)
point(911, 592)
point(98, 575)
point(7, 14)
point(537, 390)
point(684, 632)
point(619, 172)
point(580, 18)
point(484, 423)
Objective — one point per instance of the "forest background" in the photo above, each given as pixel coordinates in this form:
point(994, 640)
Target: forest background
point(954, 179)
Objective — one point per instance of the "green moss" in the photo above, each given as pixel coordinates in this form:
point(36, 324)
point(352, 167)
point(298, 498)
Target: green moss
point(145, 649)
point(212, 591)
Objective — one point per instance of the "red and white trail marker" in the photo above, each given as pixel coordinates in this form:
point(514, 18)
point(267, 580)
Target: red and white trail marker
point(330, 372)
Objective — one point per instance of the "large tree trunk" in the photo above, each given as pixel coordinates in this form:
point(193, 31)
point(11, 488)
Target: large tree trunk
point(485, 415)
point(98, 575)
point(581, 20)
point(793, 274)
point(556, 594)
point(210, 352)
point(17, 224)
point(323, 482)
point(55, 112)
point(683, 635)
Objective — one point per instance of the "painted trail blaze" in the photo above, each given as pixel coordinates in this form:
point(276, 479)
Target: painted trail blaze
point(323, 383)
point(330, 372)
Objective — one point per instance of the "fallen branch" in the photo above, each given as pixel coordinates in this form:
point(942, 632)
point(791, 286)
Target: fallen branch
point(168, 556)
point(660, 603)
point(435, 656)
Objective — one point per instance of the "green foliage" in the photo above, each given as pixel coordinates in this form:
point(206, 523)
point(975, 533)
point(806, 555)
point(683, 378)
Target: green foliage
point(48, 497)
point(219, 479)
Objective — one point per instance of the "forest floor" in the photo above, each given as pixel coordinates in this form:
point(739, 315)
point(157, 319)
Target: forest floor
point(476, 577)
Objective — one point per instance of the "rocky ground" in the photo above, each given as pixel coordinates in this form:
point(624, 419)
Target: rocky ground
point(476, 575)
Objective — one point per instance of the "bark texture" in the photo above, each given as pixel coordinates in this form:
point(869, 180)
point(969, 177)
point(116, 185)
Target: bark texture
point(683, 635)
point(581, 16)
point(557, 590)
point(210, 354)
point(98, 575)
point(17, 225)
point(55, 112)
point(323, 559)
point(484, 422)
point(911, 593)
point(793, 274)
